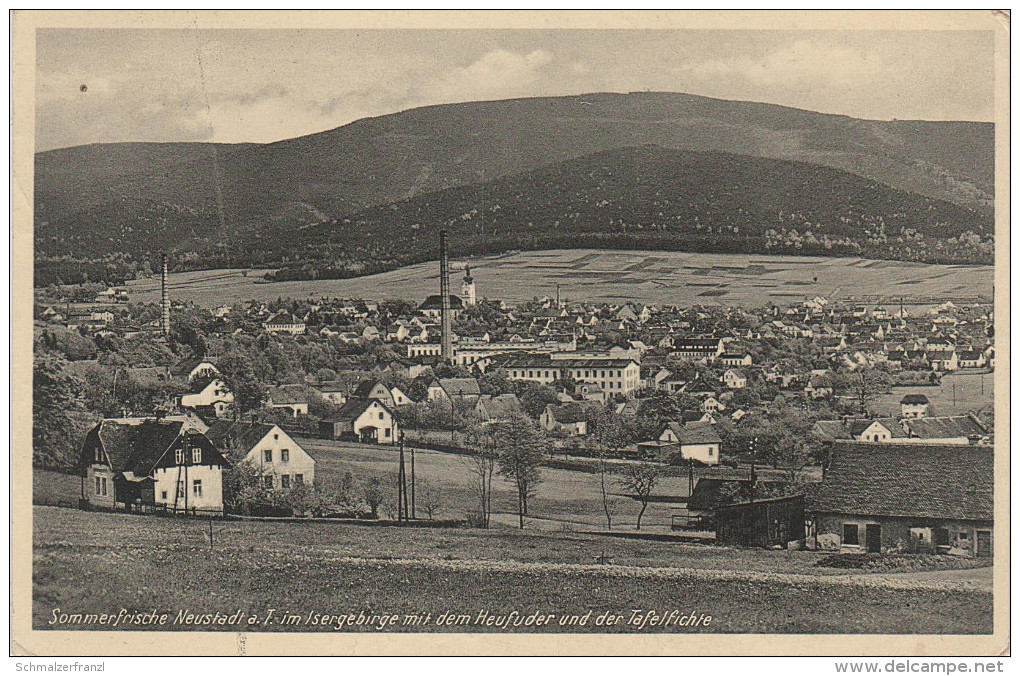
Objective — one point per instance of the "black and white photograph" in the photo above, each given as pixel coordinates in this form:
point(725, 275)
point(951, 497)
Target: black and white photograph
point(659, 329)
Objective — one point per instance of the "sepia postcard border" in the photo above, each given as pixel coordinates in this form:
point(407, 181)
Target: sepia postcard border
point(27, 641)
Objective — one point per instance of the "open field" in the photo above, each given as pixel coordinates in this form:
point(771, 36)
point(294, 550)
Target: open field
point(92, 563)
point(973, 391)
point(565, 500)
point(615, 276)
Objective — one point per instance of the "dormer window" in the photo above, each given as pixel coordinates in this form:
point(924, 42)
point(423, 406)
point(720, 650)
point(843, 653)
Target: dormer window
point(179, 456)
point(196, 456)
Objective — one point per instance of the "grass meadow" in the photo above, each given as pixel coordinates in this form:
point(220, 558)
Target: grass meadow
point(86, 562)
point(615, 277)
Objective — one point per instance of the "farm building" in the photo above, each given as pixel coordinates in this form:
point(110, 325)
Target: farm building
point(496, 408)
point(279, 458)
point(460, 390)
point(914, 406)
point(145, 463)
point(366, 420)
point(710, 494)
point(952, 429)
point(567, 418)
point(769, 522)
point(289, 399)
point(695, 441)
point(906, 497)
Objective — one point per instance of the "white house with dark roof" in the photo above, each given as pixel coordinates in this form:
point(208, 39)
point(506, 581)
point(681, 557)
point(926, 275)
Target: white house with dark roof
point(914, 406)
point(366, 420)
point(283, 463)
point(145, 463)
point(209, 393)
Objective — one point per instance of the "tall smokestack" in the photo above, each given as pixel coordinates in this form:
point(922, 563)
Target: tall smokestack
point(444, 292)
point(164, 323)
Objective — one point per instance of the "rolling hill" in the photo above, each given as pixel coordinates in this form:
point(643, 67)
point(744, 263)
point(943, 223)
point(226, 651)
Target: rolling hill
point(648, 198)
point(105, 200)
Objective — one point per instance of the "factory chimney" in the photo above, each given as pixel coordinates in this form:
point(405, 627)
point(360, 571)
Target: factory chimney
point(444, 292)
point(164, 322)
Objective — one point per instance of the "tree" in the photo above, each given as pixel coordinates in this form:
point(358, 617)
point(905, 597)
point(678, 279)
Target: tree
point(519, 444)
point(60, 420)
point(640, 479)
point(244, 487)
point(373, 492)
point(535, 397)
point(480, 441)
point(609, 435)
point(430, 497)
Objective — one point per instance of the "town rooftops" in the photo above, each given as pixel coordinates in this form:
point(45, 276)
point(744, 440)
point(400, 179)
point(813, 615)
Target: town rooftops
point(915, 480)
point(460, 386)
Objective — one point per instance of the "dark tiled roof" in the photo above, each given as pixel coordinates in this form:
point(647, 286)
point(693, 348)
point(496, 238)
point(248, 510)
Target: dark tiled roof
point(914, 399)
point(354, 407)
point(227, 434)
point(136, 447)
point(947, 427)
point(698, 433)
point(460, 386)
point(919, 480)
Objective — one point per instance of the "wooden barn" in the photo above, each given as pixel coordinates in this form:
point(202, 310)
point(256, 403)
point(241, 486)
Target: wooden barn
point(770, 522)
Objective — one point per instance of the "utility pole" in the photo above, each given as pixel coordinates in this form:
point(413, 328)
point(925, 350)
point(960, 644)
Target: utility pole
point(413, 515)
point(754, 457)
point(401, 486)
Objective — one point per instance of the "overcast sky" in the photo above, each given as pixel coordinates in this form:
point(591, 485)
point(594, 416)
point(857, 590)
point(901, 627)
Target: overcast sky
point(267, 85)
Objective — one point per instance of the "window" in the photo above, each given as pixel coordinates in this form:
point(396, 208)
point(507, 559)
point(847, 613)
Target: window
point(196, 488)
point(268, 481)
point(105, 487)
point(196, 456)
point(285, 455)
point(285, 481)
point(180, 489)
point(99, 486)
point(179, 456)
point(99, 454)
point(268, 455)
point(276, 436)
point(299, 479)
point(162, 495)
point(386, 433)
point(711, 451)
point(851, 534)
point(380, 415)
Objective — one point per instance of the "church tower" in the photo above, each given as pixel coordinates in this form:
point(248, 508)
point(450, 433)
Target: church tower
point(467, 289)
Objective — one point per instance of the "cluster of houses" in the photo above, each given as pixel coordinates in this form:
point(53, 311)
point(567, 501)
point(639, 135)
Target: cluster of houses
point(594, 356)
point(176, 463)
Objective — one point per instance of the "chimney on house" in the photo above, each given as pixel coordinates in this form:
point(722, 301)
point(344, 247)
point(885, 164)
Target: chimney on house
point(164, 323)
point(446, 320)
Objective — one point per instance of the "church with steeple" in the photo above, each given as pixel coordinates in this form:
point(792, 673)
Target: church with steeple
point(467, 289)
